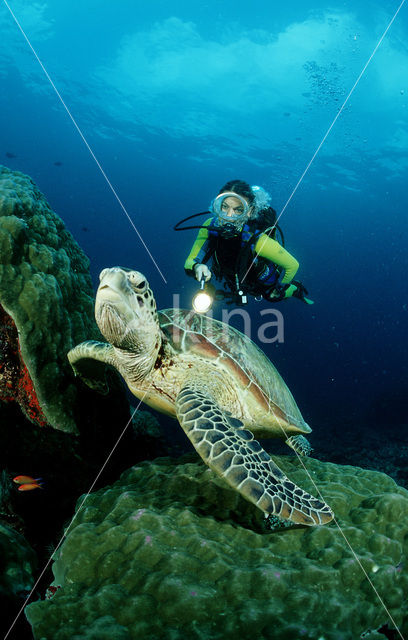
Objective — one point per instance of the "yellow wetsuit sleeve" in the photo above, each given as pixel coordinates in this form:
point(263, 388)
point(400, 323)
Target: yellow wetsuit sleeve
point(268, 248)
point(198, 247)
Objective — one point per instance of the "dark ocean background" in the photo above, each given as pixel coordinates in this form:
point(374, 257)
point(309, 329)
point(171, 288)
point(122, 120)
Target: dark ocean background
point(175, 99)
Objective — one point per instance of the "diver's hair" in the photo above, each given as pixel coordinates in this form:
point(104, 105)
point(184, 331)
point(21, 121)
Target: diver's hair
point(241, 188)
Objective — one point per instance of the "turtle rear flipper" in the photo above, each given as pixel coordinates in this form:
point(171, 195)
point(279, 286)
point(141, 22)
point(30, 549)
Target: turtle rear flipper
point(300, 444)
point(87, 359)
point(231, 451)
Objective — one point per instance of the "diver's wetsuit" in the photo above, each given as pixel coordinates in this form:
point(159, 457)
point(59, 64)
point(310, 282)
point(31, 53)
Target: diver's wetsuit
point(273, 267)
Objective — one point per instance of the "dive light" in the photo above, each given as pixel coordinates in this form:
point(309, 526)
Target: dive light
point(204, 298)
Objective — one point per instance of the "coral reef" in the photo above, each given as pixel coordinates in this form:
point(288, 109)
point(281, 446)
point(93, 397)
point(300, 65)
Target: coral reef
point(170, 551)
point(15, 381)
point(46, 302)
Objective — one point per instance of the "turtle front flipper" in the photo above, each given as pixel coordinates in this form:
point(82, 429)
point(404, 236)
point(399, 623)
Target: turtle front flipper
point(231, 451)
point(86, 359)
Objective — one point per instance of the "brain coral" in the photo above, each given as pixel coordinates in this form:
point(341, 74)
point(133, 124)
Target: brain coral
point(170, 551)
point(46, 304)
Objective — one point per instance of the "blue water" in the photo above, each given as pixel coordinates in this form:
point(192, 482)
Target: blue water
point(177, 98)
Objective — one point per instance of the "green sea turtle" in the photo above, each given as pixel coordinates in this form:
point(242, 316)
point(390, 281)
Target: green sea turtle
point(212, 378)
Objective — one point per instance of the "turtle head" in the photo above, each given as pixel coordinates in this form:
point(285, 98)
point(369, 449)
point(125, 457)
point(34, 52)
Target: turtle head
point(125, 312)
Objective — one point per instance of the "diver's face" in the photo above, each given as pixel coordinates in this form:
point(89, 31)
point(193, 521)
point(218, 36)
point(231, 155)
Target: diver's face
point(232, 207)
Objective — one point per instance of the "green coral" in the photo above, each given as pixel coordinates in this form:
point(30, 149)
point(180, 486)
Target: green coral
point(45, 287)
point(170, 551)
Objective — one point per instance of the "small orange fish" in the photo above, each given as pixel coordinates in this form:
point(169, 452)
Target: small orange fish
point(30, 486)
point(26, 479)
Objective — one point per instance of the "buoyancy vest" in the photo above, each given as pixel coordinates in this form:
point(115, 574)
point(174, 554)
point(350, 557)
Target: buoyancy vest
point(235, 261)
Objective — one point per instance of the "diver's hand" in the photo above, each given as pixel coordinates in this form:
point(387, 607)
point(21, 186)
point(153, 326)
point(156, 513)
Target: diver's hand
point(278, 293)
point(202, 271)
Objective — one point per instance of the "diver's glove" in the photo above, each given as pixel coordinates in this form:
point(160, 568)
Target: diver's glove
point(293, 290)
point(300, 292)
point(277, 293)
point(201, 271)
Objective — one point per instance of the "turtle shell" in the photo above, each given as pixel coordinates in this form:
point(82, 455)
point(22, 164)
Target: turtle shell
point(196, 334)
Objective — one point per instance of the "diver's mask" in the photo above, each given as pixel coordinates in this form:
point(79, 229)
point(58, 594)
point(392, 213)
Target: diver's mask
point(230, 220)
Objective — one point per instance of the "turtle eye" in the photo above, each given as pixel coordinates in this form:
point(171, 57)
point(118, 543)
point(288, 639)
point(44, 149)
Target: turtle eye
point(142, 285)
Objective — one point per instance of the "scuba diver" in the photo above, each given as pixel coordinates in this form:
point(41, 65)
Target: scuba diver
point(239, 239)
